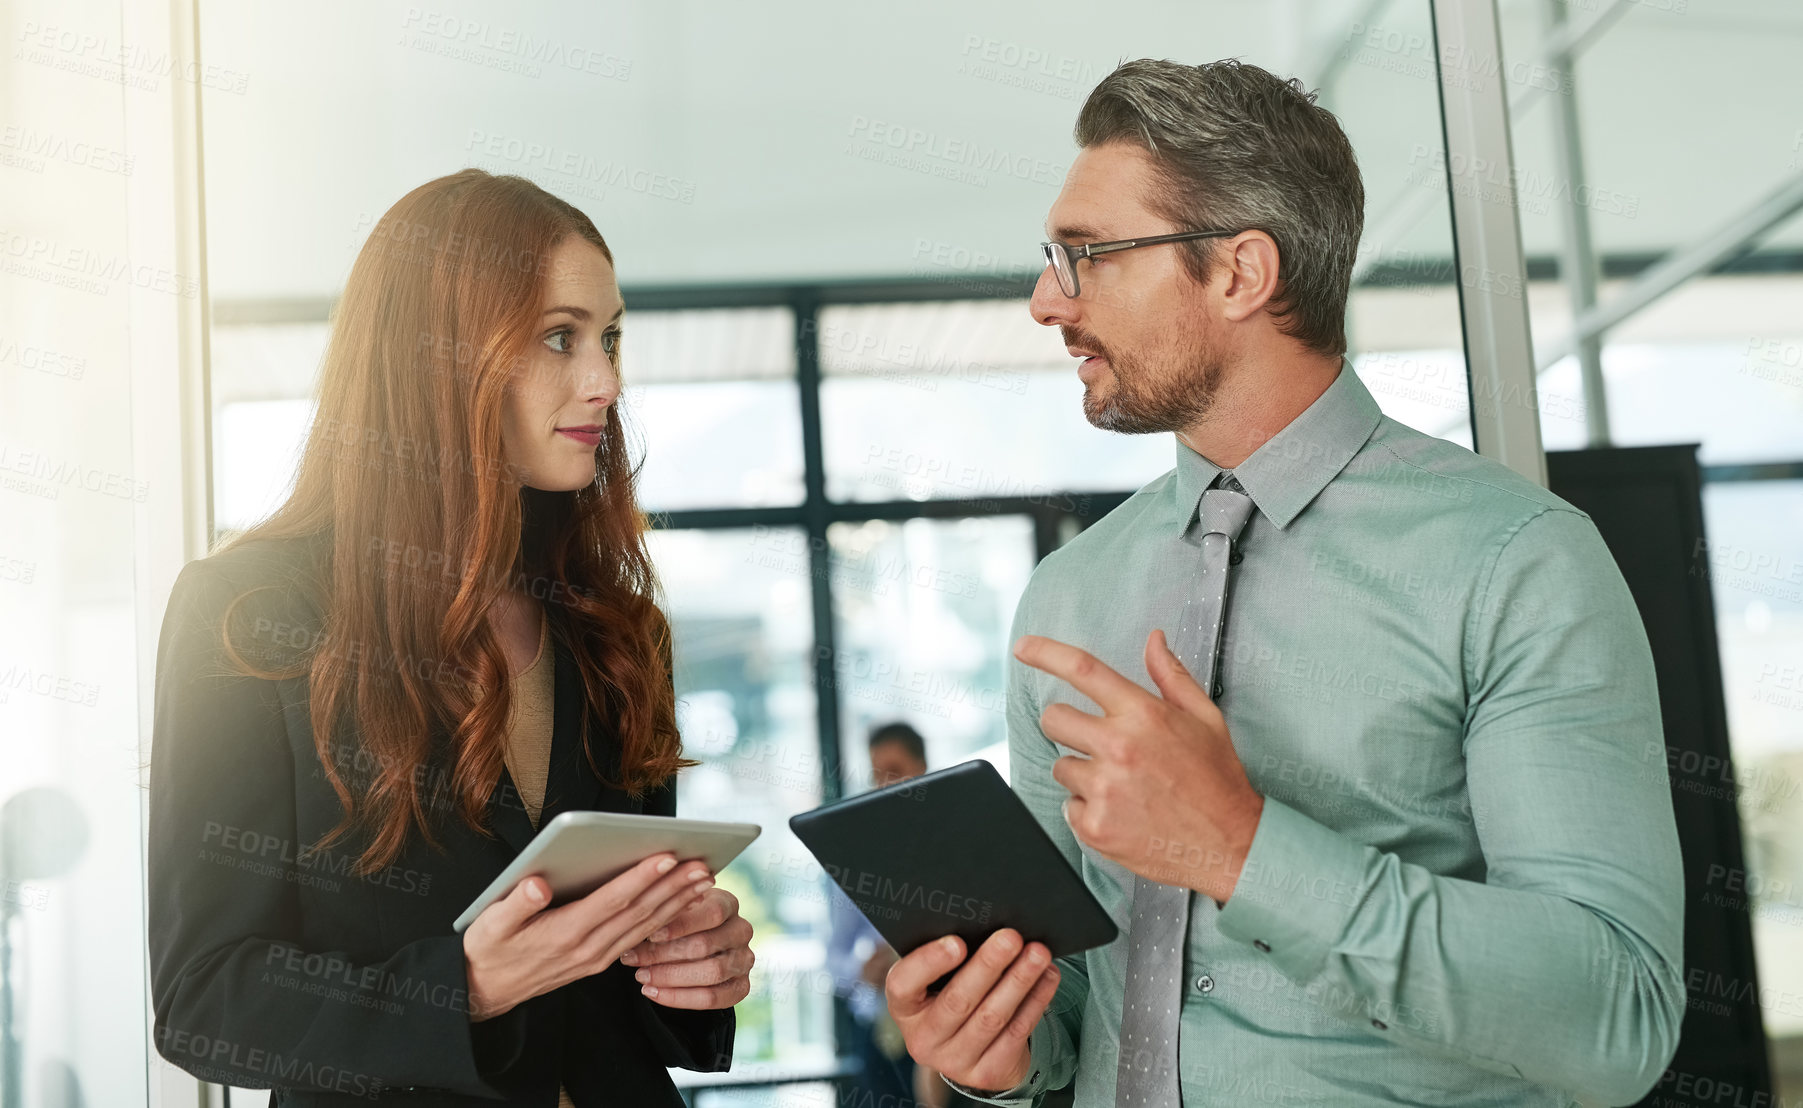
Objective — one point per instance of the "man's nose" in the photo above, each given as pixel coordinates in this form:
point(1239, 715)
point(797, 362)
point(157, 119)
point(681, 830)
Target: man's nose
point(1049, 306)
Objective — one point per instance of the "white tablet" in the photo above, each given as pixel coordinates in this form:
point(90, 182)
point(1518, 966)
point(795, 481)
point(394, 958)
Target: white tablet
point(578, 852)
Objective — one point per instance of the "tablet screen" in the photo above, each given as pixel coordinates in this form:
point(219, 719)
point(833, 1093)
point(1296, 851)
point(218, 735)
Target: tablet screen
point(954, 852)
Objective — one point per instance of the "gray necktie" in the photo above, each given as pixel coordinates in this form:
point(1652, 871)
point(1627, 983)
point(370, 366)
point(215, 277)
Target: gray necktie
point(1153, 995)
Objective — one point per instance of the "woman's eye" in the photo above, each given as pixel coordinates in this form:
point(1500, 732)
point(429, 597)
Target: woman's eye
point(560, 340)
point(610, 342)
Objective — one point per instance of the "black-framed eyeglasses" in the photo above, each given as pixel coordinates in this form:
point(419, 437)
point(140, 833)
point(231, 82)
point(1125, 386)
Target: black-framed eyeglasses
point(1062, 257)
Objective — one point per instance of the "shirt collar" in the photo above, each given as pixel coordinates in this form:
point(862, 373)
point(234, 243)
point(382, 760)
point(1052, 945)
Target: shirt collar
point(1292, 467)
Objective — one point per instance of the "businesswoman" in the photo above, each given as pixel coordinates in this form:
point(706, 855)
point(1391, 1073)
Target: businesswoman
point(366, 704)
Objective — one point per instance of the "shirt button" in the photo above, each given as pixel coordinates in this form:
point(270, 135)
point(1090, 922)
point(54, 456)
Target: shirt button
point(1263, 946)
point(1205, 984)
point(1380, 1025)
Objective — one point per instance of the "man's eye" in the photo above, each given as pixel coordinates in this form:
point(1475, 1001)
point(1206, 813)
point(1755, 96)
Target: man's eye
point(560, 340)
point(610, 342)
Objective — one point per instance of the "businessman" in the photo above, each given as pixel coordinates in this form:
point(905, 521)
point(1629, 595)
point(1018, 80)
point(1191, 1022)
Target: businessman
point(1354, 733)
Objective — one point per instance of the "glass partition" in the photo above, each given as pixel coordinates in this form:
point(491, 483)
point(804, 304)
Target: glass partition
point(1680, 198)
point(826, 335)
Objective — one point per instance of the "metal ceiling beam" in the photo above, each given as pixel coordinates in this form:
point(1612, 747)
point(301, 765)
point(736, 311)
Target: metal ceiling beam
point(1488, 262)
point(1723, 242)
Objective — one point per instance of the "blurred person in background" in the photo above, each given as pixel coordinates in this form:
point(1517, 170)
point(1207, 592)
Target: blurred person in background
point(859, 960)
point(368, 703)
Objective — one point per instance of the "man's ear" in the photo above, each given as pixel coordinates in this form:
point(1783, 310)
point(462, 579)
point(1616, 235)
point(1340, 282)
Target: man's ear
point(1249, 263)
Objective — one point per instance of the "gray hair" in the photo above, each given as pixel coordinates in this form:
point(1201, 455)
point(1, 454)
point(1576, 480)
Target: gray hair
point(1236, 146)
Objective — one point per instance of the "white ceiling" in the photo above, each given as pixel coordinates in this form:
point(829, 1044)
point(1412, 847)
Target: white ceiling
point(759, 124)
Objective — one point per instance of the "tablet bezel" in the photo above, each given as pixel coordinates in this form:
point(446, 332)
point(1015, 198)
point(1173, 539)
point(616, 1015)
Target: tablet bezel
point(578, 852)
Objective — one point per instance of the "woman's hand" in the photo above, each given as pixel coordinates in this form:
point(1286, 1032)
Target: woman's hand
point(701, 959)
point(517, 949)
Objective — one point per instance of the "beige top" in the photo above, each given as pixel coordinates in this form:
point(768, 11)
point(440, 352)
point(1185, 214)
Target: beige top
point(528, 753)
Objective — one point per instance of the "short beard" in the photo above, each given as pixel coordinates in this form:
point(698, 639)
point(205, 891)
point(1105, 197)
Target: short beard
point(1144, 402)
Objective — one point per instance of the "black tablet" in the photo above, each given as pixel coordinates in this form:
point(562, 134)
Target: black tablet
point(953, 853)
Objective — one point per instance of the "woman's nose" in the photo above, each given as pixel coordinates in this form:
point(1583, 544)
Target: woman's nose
point(599, 380)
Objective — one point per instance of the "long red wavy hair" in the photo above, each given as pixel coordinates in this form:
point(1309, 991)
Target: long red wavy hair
point(403, 470)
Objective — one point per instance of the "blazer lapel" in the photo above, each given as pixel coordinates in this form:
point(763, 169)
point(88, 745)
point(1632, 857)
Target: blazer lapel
point(507, 813)
point(570, 786)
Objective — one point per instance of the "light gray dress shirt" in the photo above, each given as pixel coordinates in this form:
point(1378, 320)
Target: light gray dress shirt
point(1465, 887)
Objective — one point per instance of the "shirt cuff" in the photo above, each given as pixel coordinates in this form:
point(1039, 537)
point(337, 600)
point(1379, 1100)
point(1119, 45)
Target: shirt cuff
point(1301, 882)
point(1025, 1092)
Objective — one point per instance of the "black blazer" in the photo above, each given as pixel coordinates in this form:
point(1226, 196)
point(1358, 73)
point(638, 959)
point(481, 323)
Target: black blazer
point(273, 966)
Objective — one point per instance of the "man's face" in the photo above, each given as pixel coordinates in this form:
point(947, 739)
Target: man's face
point(1141, 323)
point(891, 762)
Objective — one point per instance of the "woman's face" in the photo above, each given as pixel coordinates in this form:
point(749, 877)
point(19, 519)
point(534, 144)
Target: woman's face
point(556, 405)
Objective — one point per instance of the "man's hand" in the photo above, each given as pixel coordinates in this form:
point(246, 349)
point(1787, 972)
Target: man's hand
point(700, 959)
point(975, 1031)
point(1162, 791)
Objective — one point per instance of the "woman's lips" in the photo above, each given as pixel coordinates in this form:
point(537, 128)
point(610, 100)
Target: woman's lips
point(586, 438)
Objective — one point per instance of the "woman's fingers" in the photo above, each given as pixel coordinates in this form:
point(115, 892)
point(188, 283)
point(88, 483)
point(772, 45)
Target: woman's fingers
point(510, 913)
point(711, 911)
point(615, 936)
point(735, 930)
point(632, 896)
point(724, 995)
point(712, 970)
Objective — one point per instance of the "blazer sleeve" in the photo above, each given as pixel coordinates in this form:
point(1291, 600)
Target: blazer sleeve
point(238, 998)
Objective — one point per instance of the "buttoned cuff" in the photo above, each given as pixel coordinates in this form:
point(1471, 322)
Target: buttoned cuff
point(1040, 1046)
point(1300, 885)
